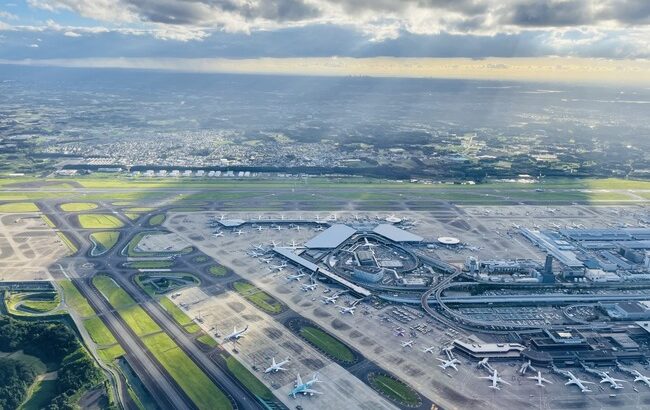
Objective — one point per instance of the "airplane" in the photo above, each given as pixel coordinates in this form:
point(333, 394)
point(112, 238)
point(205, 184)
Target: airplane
point(332, 299)
point(641, 378)
point(613, 383)
point(309, 287)
point(236, 334)
point(278, 268)
point(428, 350)
point(408, 343)
point(275, 367)
point(278, 228)
point(448, 363)
point(540, 379)
point(267, 260)
point(525, 367)
point(294, 245)
point(305, 387)
point(495, 379)
point(578, 382)
point(297, 276)
point(239, 232)
point(399, 332)
point(217, 234)
point(349, 310)
point(319, 229)
point(260, 228)
point(368, 244)
point(297, 227)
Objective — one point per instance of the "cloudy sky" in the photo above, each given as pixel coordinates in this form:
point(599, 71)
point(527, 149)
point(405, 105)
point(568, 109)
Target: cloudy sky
point(253, 29)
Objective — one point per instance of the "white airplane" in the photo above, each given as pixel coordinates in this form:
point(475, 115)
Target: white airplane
point(217, 234)
point(297, 227)
point(267, 260)
point(305, 388)
point(448, 363)
point(294, 244)
point(332, 299)
point(275, 367)
point(429, 350)
point(238, 232)
point(613, 383)
point(278, 228)
point(408, 343)
point(495, 379)
point(260, 248)
point(236, 334)
point(278, 268)
point(578, 382)
point(641, 378)
point(540, 379)
point(296, 277)
point(309, 287)
point(349, 310)
point(319, 229)
point(260, 228)
point(274, 244)
point(525, 367)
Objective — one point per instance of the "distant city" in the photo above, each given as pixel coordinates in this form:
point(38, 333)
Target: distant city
point(392, 128)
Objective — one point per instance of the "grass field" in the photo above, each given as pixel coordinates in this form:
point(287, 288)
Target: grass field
point(78, 206)
point(41, 395)
point(30, 303)
point(48, 221)
point(248, 379)
point(171, 282)
point(207, 340)
point(18, 207)
point(179, 316)
point(139, 209)
point(326, 343)
point(75, 300)
point(218, 270)
point(132, 216)
point(133, 314)
point(133, 244)
point(41, 306)
point(186, 373)
point(99, 221)
point(104, 241)
point(258, 297)
point(71, 246)
point(394, 390)
point(200, 259)
point(99, 332)
point(156, 220)
point(108, 354)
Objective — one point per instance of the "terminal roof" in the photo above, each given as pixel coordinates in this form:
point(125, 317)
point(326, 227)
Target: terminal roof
point(396, 234)
point(331, 238)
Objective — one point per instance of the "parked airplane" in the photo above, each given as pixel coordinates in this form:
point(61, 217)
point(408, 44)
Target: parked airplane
point(217, 234)
point(540, 379)
point(297, 276)
point(641, 378)
point(408, 343)
point(319, 229)
point(238, 232)
point(267, 260)
point(448, 363)
point(349, 310)
point(525, 367)
point(294, 244)
point(399, 332)
point(484, 364)
point(236, 334)
point(304, 388)
point(309, 287)
point(278, 228)
point(429, 350)
point(279, 267)
point(578, 382)
point(332, 299)
point(495, 379)
point(613, 383)
point(275, 367)
point(260, 228)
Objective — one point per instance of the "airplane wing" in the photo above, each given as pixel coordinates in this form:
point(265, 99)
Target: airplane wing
point(298, 380)
point(311, 391)
point(505, 382)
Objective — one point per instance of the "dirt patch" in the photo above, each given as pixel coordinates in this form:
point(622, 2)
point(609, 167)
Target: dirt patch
point(294, 347)
point(236, 306)
point(366, 341)
point(354, 334)
point(283, 290)
point(312, 364)
point(252, 318)
point(272, 333)
point(454, 396)
point(413, 371)
point(318, 312)
point(338, 325)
